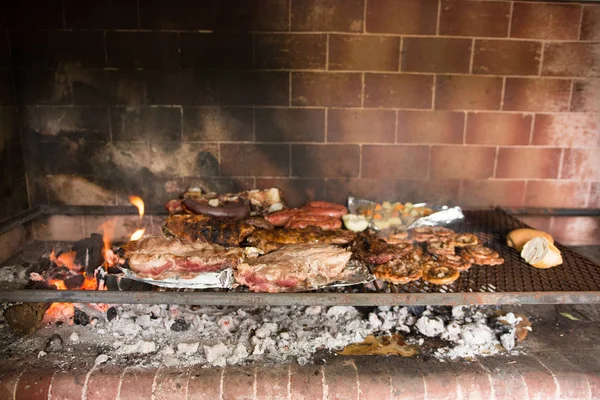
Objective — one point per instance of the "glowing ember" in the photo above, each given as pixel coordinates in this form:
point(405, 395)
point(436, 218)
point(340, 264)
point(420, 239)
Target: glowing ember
point(139, 203)
point(137, 235)
point(60, 285)
point(89, 283)
point(65, 260)
point(59, 312)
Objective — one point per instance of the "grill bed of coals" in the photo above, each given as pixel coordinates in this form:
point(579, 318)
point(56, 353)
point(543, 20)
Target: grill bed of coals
point(577, 280)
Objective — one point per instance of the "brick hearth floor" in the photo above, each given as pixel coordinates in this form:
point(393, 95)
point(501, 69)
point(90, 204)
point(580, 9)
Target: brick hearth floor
point(561, 361)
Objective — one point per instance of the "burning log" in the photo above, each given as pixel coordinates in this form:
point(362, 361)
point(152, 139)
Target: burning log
point(24, 319)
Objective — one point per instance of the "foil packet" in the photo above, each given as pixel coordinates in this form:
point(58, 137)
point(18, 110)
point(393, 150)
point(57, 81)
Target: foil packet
point(440, 215)
point(205, 280)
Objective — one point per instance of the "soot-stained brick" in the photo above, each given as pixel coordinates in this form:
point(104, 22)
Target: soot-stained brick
point(73, 123)
point(181, 87)
point(146, 123)
point(113, 87)
point(43, 87)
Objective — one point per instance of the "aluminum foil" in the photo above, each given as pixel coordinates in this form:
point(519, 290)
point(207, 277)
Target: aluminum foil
point(442, 215)
point(205, 280)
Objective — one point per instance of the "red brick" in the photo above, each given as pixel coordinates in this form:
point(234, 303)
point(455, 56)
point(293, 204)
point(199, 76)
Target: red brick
point(136, 384)
point(436, 55)
point(576, 231)
point(430, 127)
point(474, 18)
point(528, 163)
point(272, 383)
point(171, 384)
point(103, 384)
point(238, 383)
point(289, 125)
point(468, 93)
point(8, 382)
point(297, 191)
point(325, 161)
point(255, 159)
point(341, 379)
point(216, 50)
point(546, 21)
point(498, 128)
point(328, 15)
point(590, 25)
point(374, 378)
point(290, 51)
point(541, 223)
point(506, 57)
point(398, 90)
point(556, 194)
point(68, 385)
point(473, 380)
point(492, 193)
point(539, 380)
point(506, 380)
point(214, 124)
point(32, 385)
point(360, 126)
point(457, 162)
point(586, 96)
point(254, 88)
point(402, 16)
point(594, 195)
point(566, 130)
point(589, 364)
point(532, 94)
point(395, 161)
point(306, 382)
point(338, 190)
point(571, 59)
point(440, 381)
point(581, 164)
point(407, 379)
point(430, 191)
point(326, 89)
point(364, 53)
point(204, 383)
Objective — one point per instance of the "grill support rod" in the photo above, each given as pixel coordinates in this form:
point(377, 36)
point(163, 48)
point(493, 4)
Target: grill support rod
point(292, 299)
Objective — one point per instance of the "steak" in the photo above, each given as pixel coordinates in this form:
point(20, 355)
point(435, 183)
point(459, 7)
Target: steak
point(203, 228)
point(293, 268)
point(160, 258)
point(376, 251)
point(270, 240)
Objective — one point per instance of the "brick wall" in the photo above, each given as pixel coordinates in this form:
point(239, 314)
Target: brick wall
point(473, 102)
point(13, 187)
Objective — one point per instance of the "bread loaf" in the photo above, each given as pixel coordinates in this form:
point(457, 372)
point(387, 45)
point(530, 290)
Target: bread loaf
point(540, 253)
point(519, 237)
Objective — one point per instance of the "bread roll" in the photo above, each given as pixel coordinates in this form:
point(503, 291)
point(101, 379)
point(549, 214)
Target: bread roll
point(540, 253)
point(519, 237)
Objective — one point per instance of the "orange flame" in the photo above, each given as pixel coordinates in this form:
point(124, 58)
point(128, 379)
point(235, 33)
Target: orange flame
point(137, 235)
point(60, 285)
point(108, 232)
point(139, 203)
point(89, 283)
point(65, 260)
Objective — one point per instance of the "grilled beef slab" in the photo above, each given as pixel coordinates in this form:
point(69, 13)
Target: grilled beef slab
point(376, 251)
point(204, 228)
point(293, 268)
point(270, 240)
point(158, 257)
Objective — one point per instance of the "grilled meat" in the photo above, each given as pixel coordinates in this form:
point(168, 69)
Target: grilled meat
point(255, 202)
point(293, 268)
point(316, 213)
point(269, 241)
point(375, 251)
point(203, 228)
point(159, 257)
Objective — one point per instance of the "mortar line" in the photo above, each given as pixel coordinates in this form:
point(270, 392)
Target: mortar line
point(510, 17)
point(51, 384)
point(532, 128)
point(154, 384)
point(289, 15)
point(396, 126)
point(85, 382)
point(290, 160)
point(400, 54)
point(581, 22)
point(572, 87)
point(17, 383)
point(433, 90)
point(358, 391)
point(362, 91)
point(524, 197)
point(324, 384)
point(490, 380)
point(290, 89)
point(254, 385)
point(289, 383)
point(472, 56)
point(465, 122)
point(221, 384)
point(325, 138)
point(121, 383)
point(502, 92)
point(429, 162)
point(438, 18)
point(553, 377)
point(253, 124)
point(181, 122)
point(360, 159)
point(327, 52)
point(496, 161)
point(541, 58)
point(187, 386)
point(560, 163)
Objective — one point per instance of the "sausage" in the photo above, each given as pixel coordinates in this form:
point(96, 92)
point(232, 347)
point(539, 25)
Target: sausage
point(229, 210)
point(325, 224)
point(326, 212)
point(326, 204)
point(280, 218)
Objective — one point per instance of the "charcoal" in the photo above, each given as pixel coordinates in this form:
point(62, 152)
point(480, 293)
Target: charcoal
point(54, 344)
point(180, 325)
point(74, 282)
point(89, 252)
point(80, 317)
point(111, 313)
point(130, 284)
point(25, 318)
